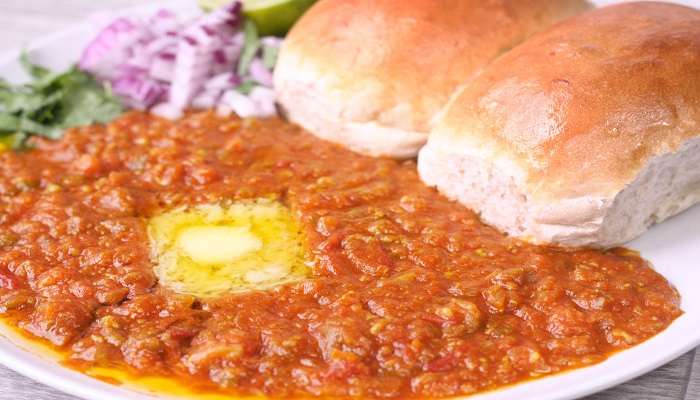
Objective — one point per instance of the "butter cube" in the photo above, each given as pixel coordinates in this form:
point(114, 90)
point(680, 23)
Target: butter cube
point(212, 244)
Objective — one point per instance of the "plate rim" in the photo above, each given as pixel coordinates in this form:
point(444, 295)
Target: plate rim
point(24, 357)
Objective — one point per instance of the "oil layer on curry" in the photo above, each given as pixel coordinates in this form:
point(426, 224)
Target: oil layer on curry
point(250, 257)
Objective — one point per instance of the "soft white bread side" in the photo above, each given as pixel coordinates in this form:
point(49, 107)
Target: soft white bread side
point(373, 74)
point(585, 135)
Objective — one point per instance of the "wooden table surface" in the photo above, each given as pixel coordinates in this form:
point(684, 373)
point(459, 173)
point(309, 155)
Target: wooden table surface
point(24, 20)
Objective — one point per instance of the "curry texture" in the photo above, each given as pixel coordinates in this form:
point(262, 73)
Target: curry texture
point(408, 294)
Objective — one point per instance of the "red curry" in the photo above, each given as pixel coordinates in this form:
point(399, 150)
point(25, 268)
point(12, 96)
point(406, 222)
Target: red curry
point(411, 295)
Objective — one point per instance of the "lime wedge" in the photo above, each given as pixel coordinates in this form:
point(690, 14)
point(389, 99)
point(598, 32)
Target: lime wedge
point(272, 17)
point(275, 17)
point(210, 5)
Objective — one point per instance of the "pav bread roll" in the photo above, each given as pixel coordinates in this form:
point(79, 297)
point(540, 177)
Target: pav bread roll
point(373, 74)
point(584, 135)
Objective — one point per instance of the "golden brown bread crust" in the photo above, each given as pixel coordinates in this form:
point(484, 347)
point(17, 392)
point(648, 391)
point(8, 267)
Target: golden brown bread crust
point(585, 135)
point(395, 63)
point(584, 105)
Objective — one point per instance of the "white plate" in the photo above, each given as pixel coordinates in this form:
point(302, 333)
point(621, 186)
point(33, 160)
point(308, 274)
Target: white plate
point(673, 247)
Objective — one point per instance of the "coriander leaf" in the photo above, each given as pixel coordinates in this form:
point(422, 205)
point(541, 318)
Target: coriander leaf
point(51, 103)
point(251, 45)
point(26, 101)
point(9, 123)
point(36, 128)
point(86, 104)
point(269, 56)
point(55, 80)
point(15, 140)
point(246, 87)
point(34, 70)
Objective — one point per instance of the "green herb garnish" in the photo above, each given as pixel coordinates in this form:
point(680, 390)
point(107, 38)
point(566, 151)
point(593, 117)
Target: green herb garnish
point(51, 103)
point(269, 56)
point(251, 45)
point(246, 87)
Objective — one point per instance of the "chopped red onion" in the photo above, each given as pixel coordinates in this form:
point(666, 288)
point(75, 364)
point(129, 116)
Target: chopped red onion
point(138, 90)
point(167, 110)
point(242, 105)
point(264, 99)
point(108, 48)
point(222, 81)
point(162, 68)
point(271, 41)
point(167, 65)
point(259, 73)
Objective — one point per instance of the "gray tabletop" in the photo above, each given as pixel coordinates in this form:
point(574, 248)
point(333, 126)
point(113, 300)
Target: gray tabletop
point(23, 20)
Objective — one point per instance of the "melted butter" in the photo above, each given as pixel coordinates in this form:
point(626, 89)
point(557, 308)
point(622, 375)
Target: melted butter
point(213, 249)
point(217, 244)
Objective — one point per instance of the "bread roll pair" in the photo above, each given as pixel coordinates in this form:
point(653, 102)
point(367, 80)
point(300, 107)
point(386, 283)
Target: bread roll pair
point(583, 135)
point(373, 74)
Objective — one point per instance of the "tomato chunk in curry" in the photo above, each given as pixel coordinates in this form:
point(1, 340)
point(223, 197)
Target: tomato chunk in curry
point(409, 294)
